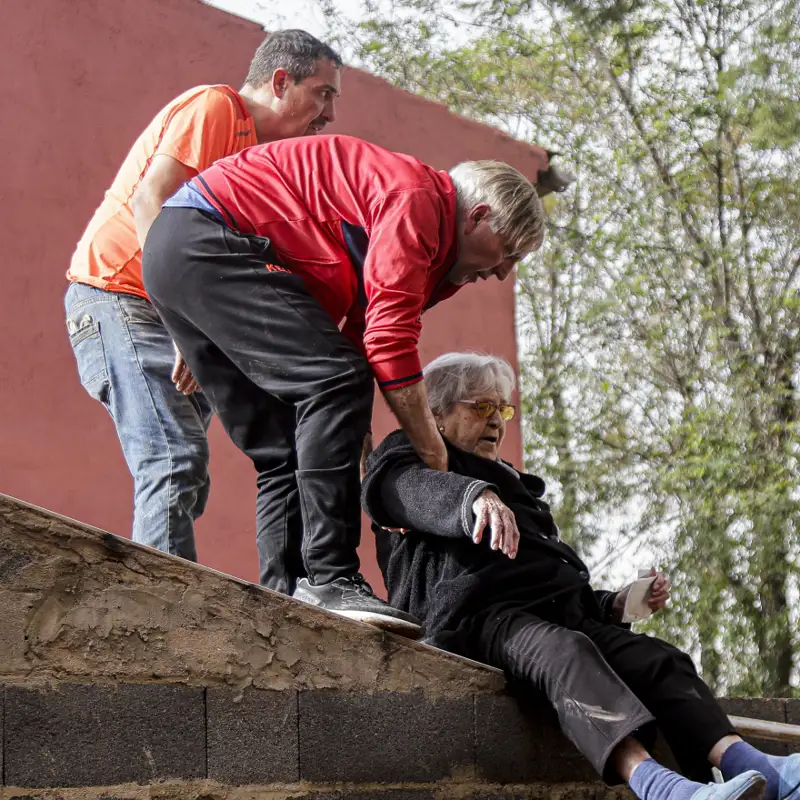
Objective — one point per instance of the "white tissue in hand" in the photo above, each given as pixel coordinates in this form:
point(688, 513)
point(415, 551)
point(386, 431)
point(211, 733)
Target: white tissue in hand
point(636, 607)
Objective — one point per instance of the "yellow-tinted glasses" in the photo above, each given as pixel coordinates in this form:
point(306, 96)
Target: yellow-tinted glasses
point(484, 409)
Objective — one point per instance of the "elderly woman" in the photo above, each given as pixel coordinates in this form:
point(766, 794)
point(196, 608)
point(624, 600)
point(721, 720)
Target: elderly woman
point(475, 554)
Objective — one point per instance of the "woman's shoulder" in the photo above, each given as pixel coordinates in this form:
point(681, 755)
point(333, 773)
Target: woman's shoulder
point(396, 442)
point(397, 438)
point(533, 483)
point(396, 446)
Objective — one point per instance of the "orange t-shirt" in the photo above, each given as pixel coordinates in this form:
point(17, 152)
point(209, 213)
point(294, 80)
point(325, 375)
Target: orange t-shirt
point(202, 125)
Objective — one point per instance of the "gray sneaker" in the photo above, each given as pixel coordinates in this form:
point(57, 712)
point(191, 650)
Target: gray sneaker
point(353, 598)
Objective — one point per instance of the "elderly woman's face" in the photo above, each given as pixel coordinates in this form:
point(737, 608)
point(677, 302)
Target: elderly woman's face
point(468, 431)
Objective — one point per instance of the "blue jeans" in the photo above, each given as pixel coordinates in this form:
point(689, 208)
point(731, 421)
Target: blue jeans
point(125, 358)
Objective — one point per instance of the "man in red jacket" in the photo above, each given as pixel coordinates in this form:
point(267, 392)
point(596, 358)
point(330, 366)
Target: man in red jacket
point(289, 276)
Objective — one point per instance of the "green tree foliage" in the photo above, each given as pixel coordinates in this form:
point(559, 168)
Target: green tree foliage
point(659, 325)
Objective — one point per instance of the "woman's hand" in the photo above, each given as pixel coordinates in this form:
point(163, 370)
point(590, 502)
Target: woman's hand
point(490, 510)
point(659, 592)
point(656, 600)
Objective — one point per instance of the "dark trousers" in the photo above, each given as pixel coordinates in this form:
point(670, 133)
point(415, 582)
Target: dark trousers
point(291, 391)
point(606, 683)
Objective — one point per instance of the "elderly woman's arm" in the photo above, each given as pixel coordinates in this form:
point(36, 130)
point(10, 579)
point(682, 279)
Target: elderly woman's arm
point(605, 600)
point(400, 491)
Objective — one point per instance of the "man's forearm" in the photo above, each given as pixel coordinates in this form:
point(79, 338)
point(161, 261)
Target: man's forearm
point(145, 211)
point(164, 177)
point(410, 406)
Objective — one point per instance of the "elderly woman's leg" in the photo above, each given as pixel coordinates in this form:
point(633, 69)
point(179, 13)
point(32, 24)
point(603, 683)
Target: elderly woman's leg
point(595, 708)
point(651, 781)
point(695, 726)
point(667, 683)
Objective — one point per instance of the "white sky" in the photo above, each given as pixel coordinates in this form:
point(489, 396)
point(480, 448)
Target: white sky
point(303, 14)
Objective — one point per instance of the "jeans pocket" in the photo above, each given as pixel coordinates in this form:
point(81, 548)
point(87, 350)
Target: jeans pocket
point(138, 311)
point(84, 336)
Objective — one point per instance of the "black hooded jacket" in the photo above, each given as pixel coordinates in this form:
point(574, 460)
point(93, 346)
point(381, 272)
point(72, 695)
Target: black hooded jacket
point(438, 574)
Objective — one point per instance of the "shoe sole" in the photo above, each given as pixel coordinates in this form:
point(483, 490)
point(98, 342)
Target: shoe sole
point(408, 629)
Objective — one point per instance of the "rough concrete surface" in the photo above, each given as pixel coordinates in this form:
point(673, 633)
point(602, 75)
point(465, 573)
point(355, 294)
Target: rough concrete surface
point(793, 711)
point(87, 734)
point(442, 790)
point(515, 744)
point(391, 737)
point(97, 734)
point(80, 602)
point(251, 736)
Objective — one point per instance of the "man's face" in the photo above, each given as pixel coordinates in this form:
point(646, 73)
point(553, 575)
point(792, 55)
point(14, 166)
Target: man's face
point(305, 108)
point(482, 253)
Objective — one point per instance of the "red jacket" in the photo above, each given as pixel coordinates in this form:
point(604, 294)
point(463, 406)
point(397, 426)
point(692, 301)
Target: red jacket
point(371, 232)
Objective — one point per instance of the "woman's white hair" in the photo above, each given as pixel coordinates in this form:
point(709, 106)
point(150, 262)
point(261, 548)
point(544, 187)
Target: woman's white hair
point(516, 213)
point(465, 376)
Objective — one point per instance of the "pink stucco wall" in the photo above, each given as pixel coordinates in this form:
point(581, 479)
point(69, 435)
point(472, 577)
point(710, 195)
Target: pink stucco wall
point(80, 80)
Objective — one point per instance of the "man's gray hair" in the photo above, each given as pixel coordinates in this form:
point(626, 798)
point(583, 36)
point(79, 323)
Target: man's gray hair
point(294, 50)
point(466, 376)
point(516, 213)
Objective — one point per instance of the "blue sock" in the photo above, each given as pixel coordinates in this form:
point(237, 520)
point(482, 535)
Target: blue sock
point(651, 781)
point(740, 757)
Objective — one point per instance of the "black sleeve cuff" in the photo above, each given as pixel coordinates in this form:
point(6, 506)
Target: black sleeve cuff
point(471, 494)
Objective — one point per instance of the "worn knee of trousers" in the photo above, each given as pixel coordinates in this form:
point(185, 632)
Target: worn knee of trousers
point(558, 647)
point(579, 647)
point(188, 467)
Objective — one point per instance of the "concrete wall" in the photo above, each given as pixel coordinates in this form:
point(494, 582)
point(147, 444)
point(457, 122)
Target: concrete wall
point(129, 674)
point(82, 605)
point(154, 669)
point(80, 80)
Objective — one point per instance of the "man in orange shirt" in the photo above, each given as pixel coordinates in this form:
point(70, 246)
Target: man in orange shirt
point(125, 356)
